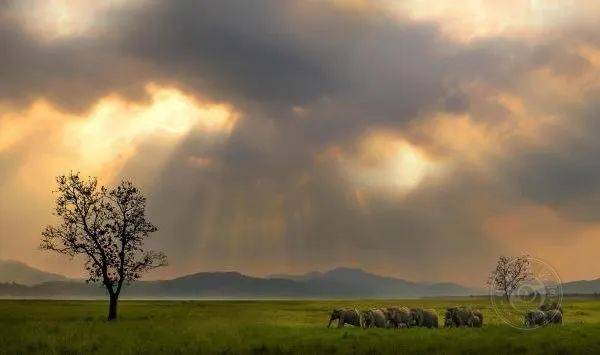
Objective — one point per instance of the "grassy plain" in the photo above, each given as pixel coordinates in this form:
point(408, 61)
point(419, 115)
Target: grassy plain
point(273, 327)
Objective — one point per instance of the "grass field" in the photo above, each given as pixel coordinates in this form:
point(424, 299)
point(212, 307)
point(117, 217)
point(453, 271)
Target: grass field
point(273, 327)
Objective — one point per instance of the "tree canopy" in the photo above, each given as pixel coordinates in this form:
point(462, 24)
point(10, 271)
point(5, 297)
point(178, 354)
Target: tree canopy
point(107, 226)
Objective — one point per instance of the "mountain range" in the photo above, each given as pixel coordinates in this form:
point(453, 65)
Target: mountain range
point(20, 280)
point(18, 272)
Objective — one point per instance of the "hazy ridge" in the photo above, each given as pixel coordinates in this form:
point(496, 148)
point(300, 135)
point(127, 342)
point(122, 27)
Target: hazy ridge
point(20, 280)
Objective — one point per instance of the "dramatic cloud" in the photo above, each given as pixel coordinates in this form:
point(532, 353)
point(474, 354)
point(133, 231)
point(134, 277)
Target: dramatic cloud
point(285, 136)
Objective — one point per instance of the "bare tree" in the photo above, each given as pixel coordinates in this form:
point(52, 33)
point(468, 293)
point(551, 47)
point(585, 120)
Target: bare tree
point(107, 226)
point(510, 272)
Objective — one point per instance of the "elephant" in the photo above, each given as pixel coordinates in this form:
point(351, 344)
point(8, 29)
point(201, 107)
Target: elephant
point(430, 318)
point(550, 306)
point(416, 317)
point(374, 318)
point(554, 316)
point(455, 317)
point(346, 316)
point(460, 317)
point(367, 319)
point(535, 318)
point(479, 322)
point(398, 317)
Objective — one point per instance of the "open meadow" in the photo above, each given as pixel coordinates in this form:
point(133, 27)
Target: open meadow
point(273, 327)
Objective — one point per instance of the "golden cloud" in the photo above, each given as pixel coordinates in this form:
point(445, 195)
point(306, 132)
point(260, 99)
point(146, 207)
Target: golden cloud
point(102, 140)
point(59, 19)
point(384, 160)
point(468, 19)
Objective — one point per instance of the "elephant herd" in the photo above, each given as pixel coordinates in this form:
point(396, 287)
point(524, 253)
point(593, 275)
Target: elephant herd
point(547, 314)
point(404, 317)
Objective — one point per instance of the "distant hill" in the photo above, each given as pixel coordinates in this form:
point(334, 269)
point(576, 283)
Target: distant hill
point(359, 283)
point(18, 272)
point(201, 285)
point(582, 287)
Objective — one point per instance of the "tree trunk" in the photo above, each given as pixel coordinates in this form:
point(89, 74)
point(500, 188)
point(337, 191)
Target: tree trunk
point(112, 307)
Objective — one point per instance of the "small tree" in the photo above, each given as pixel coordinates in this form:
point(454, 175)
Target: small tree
point(108, 227)
point(510, 272)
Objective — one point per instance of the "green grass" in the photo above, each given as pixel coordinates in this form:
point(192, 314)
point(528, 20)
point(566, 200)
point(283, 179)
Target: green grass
point(273, 327)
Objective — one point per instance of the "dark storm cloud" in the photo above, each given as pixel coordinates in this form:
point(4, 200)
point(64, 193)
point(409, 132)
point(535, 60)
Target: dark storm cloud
point(566, 173)
point(270, 54)
point(259, 53)
point(307, 76)
point(226, 48)
point(73, 73)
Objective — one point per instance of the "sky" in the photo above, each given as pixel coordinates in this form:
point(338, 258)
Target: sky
point(419, 139)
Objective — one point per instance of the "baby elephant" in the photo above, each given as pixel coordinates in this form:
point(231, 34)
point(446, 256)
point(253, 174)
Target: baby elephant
point(477, 318)
point(345, 316)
